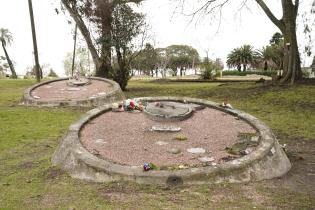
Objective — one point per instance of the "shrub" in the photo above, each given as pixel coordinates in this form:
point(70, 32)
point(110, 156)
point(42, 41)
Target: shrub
point(269, 73)
point(305, 73)
point(233, 73)
point(209, 71)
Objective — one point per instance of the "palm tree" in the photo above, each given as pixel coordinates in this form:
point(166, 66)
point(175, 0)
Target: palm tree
point(271, 55)
point(242, 56)
point(247, 56)
point(234, 59)
point(38, 74)
point(265, 56)
point(6, 39)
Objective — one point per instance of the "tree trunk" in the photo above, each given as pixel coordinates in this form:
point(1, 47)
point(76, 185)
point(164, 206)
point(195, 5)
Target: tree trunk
point(266, 66)
point(38, 74)
point(239, 68)
point(14, 76)
point(106, 10)
point(84, 31)
point(244, 67)
point(292, 63)
point(287, 25)
point(74, 49)
point(122, 74)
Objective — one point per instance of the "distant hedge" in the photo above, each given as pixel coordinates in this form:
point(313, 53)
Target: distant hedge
point(269, 73)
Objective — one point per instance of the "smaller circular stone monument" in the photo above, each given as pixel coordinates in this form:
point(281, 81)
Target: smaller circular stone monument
point(168, 111)
point(75, 82)
point(74, 92)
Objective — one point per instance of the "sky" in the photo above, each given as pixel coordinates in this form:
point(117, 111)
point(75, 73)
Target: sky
point(168, 25)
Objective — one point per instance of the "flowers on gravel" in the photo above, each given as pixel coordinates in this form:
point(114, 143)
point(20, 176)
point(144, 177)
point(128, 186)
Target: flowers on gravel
point(128, 105)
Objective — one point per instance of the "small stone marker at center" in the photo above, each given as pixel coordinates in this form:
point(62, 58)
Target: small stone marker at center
point(174, 151)
point(101, 94)
point(206, 159)
point(165, 128)
point(73, 89)
point(100, 141)
point(196, 150)
point(161, 143)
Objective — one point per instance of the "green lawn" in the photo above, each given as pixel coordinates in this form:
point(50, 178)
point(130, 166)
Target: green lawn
point(29, 136)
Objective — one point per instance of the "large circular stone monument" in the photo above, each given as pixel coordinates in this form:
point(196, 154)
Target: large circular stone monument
point(85, 92)
point(203, 143)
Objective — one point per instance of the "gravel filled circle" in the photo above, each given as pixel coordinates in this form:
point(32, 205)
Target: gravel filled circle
point(127, 138)
point(60, 90)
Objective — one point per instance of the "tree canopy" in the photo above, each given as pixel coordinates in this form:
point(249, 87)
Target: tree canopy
point(127, 25)
point(242, 56)
point(181, 56)
point(6, 39)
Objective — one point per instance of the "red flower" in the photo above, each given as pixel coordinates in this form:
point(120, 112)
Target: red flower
point(132, 104)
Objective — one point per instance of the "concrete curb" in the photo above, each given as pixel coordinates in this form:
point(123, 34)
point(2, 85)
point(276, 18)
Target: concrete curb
point(266, 162)
point(115, 95)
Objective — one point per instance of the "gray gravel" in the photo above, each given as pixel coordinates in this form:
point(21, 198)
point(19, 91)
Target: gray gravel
point(61, 91)
point(130, 141)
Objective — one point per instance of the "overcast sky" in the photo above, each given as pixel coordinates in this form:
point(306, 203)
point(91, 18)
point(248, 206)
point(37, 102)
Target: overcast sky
point(55, 37)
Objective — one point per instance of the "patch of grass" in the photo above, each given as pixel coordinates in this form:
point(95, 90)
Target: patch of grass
point(166, 88)
point(28, 125)
point(287, 198)
point(11, 90)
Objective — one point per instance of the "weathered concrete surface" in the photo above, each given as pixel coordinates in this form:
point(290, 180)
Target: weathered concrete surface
point(114, 96)
point(168, 111)
point(266, 162)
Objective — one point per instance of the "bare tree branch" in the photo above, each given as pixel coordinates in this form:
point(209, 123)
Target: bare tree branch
point(296, 5)
point(271, 16)
point(84, 30)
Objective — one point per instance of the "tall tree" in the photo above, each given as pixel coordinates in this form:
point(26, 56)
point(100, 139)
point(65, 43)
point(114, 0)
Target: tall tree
point(100, 14)
point(234, 59)
point(147, 60)
point(126, 26)
point(163, 60)
point(265, 55)
point(182, 57)
point(247, 55)
point(6, 39)
point(242, 56)
point(74, 49)
point(3, 66)
point(37, 66)
point(286, 24)
point(272, 55)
